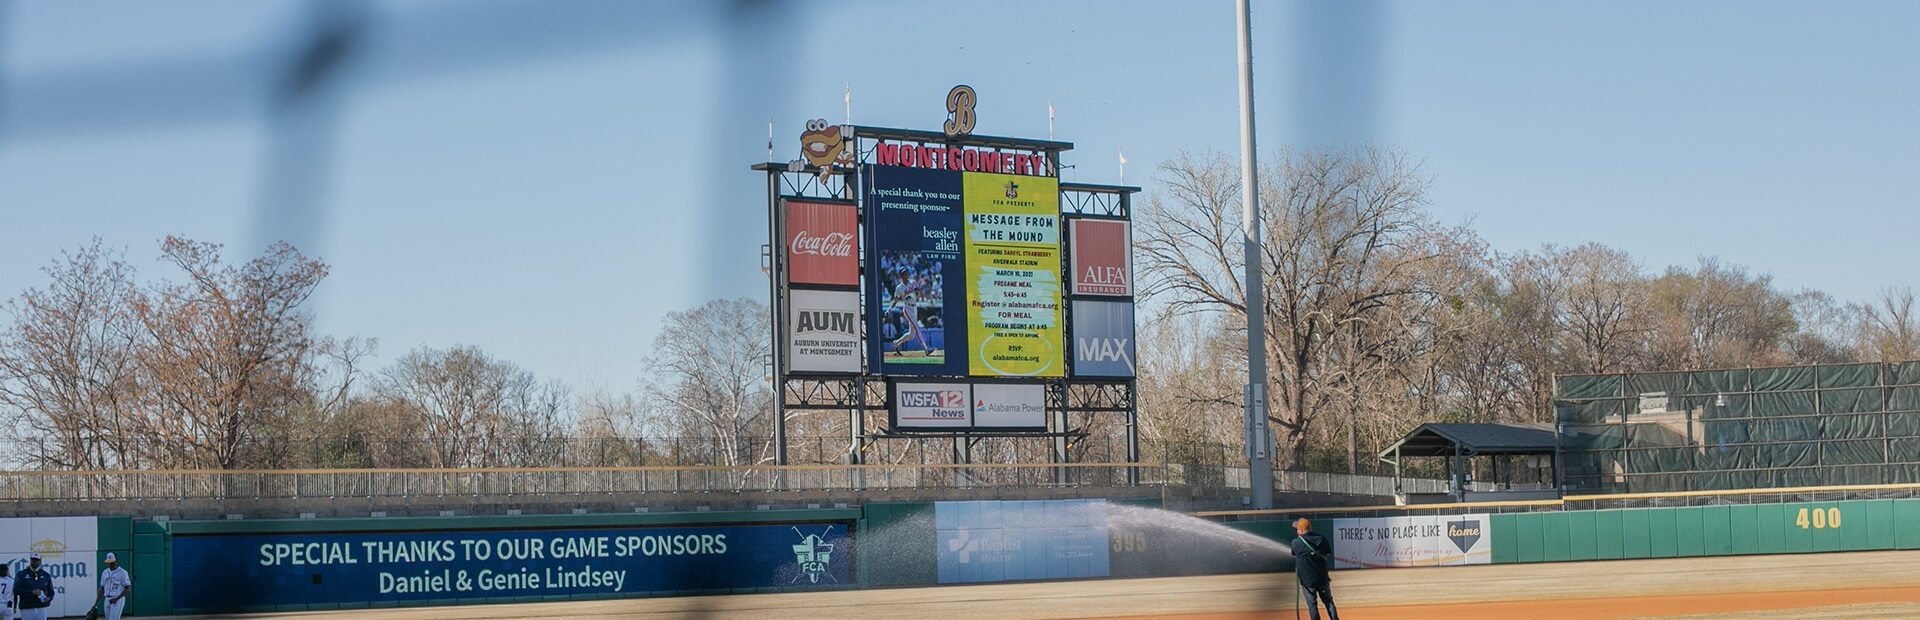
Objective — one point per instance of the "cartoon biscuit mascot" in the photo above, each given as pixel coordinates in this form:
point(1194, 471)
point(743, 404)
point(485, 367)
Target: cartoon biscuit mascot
point(824, 145)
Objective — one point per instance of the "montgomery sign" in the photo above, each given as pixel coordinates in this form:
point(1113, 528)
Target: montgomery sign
point(961, 158)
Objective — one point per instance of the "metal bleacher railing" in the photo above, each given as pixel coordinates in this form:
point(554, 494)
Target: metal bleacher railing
point(1782, 495)
point(317, 484)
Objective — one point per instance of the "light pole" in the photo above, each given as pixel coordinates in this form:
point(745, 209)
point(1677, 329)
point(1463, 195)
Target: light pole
point(1259, 437)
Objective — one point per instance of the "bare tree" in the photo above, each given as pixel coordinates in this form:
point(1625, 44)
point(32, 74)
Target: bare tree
point(67, 367)
point(1890, 329)
point(1337, 228)
point(227, 353)
point(1602, 307)
point(1189, 388)
point(709, 368)
point(1718, 316)
point(475, 410)
point(1529, 306)
point(1827, 332)
point(612, 429)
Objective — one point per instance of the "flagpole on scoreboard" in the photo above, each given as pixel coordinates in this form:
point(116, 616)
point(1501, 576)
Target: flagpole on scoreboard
point(1259, 442)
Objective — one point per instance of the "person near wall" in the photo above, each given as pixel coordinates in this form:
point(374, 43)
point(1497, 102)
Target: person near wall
point(34, 588)
point(6, 591)
point(115, 585)
point(1310, 564)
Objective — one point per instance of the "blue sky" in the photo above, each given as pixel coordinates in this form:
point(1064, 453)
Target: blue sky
point(547, 180)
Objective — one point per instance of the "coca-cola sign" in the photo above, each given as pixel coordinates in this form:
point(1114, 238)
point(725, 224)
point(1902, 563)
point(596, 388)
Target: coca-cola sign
point(830, 244)
point(820, 243)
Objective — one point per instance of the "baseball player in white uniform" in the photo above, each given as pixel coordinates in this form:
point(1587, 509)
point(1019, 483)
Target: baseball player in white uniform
point(6, 592)
point(115, 585)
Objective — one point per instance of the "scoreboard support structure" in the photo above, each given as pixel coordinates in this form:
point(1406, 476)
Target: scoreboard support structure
point(856, 393)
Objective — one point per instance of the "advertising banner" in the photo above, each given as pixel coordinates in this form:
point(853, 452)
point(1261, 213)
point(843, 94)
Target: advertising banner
point(823, 330)
point(1102, 264)
point(1009, 407)
point(1440, 540)
point(68, 547)
point(821, 247)
point(1103, 343)
point(932, 406)
point(916, 290)
point(1013, 276)
point(218, 572)
point(987, 541)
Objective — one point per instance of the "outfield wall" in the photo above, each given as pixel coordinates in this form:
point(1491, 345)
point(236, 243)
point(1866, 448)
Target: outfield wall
point(183, 567)
point(315, 564)
point(1632, 533)
point(72, 550)
point(1575, 535)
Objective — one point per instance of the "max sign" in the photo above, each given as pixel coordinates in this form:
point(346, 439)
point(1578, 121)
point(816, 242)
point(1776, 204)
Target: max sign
point(1102, 338)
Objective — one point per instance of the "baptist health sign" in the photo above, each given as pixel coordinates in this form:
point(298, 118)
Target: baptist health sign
point(67, 548)
point(1440, 540)
point(988, 541)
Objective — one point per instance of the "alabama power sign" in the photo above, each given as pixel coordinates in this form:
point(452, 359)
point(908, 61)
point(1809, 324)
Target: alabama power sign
point(821, 246)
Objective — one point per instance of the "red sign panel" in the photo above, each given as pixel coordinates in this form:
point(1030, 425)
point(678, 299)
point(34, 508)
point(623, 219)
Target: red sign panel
point(821, 246)
point(1101, 264)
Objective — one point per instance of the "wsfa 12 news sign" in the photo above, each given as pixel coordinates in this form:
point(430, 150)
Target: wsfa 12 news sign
point(957, 406)
point(932, 406)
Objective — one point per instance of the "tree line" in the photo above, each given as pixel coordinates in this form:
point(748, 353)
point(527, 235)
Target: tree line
point(216, 365)
point(1379, 317)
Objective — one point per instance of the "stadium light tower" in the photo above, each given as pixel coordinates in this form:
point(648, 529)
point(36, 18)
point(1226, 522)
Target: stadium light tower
point(1259, 442)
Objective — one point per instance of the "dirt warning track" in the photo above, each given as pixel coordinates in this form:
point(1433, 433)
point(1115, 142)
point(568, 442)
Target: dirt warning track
point(1883, 584)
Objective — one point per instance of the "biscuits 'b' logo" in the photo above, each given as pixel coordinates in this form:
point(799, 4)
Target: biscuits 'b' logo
point(960, 117)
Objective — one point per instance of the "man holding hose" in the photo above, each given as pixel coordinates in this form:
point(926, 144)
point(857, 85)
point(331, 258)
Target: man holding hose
point(1310, 557)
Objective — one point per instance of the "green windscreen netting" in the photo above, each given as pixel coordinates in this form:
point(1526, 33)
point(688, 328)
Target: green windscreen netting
point(1740, 428)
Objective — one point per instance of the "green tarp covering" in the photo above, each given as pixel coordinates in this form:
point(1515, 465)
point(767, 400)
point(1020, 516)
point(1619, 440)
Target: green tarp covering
point(1741, 428)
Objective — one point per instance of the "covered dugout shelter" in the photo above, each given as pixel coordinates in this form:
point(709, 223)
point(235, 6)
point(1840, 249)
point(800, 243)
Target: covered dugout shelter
point(1534, 444)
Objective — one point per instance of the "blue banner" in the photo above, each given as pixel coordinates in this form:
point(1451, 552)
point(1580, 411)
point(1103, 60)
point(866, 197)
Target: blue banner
point(218, 572)
point(915, 281)
point(988, 541)
point(1102, 338)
